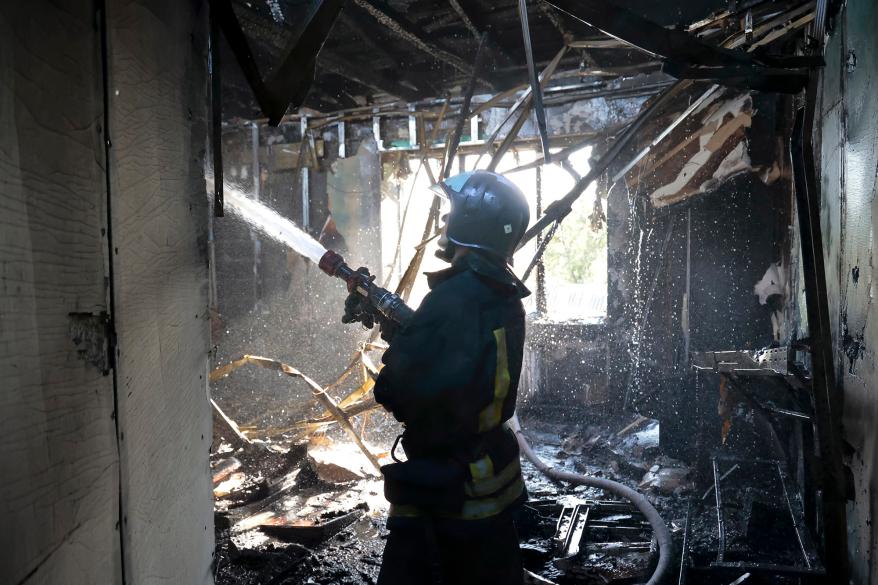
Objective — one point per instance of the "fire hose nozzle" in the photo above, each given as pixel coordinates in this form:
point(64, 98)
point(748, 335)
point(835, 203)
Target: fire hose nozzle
point(330, 262)
point(389, 304)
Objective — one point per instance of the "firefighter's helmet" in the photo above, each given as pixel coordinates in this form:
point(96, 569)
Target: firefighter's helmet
point(488, 212)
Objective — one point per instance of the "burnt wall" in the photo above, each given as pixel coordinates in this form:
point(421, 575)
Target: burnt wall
point(847, 142)
point(681, 278)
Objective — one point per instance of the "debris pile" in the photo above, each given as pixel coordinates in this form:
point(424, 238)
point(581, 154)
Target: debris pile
point(302, 502)
point(578, 535)
point(312, 513)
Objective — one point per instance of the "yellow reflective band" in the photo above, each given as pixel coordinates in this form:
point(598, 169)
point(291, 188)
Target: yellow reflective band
point(482, 469)
point(483, 487)
point(472, 509)
point(489, 418)
point(478, 509)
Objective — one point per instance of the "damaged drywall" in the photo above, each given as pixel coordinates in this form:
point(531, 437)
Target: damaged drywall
point(699, 155)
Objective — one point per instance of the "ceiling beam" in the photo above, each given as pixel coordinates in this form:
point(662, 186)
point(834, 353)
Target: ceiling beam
point(291, 80)
point(366, 76)
point(566, 34)
point(468, 16)
point(337, 90)
point(422, 83)
point(621, 23)
point(549, 12)
point(476, 24)
point(410, 32)
point(686, 56)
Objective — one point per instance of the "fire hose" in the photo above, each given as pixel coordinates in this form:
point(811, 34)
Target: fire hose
point(391, 306)
point(659, 528)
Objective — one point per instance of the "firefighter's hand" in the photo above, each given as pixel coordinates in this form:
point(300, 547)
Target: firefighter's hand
point(359, 308)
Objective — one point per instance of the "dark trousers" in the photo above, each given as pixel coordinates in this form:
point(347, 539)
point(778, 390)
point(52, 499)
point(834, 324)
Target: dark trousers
point(452, 552)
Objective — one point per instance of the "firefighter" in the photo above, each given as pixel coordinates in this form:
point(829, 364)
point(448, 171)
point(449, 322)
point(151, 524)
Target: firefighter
point(450, 376)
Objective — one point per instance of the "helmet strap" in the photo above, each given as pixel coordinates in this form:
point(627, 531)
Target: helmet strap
point(447, 253)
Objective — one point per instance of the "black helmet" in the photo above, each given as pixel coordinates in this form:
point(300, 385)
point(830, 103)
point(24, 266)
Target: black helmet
point(488, 212)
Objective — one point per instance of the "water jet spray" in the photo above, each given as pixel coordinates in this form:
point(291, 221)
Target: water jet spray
point(282, 230)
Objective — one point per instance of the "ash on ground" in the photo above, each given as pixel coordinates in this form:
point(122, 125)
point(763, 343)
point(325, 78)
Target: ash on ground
point(315, 512)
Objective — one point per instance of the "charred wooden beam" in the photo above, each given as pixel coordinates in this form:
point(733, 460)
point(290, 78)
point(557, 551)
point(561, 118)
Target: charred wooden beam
point(395, 23)
point(566, 34)
point(336, 89)
point(290, 82)
point(225, 17)
point(469, 13)
point(623, 24)
point(774, 79)
point(366, 76)
point(602, 43)
point(685, 55)
point(466, 11)
point(422, 83)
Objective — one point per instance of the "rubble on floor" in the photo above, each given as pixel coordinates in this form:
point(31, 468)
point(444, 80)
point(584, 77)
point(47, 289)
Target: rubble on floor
point(315, 512)
point(338, 462)
point(303, 514)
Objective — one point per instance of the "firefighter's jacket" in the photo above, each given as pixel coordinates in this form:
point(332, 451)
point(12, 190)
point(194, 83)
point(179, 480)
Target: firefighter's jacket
point(451, 377)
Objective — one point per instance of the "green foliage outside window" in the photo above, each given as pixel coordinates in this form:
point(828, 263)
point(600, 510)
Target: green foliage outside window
point(577, 254)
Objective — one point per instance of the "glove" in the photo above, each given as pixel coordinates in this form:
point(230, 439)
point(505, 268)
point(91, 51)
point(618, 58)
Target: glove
point(359, 308)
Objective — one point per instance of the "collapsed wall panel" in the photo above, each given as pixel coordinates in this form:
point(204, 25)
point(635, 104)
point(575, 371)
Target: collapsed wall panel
point(158, 85)
point(58, 458)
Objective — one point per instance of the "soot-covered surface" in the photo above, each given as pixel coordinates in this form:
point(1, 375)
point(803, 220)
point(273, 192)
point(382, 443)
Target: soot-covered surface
point(284, 488)
point(288, 524)
point(293, 527)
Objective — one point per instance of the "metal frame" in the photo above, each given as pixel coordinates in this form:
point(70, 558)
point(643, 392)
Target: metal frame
point(589, 517)
point(535, 89)
point(811, 564)
point(685, 55)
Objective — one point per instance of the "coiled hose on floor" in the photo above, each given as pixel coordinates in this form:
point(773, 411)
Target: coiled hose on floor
point(662, 534)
